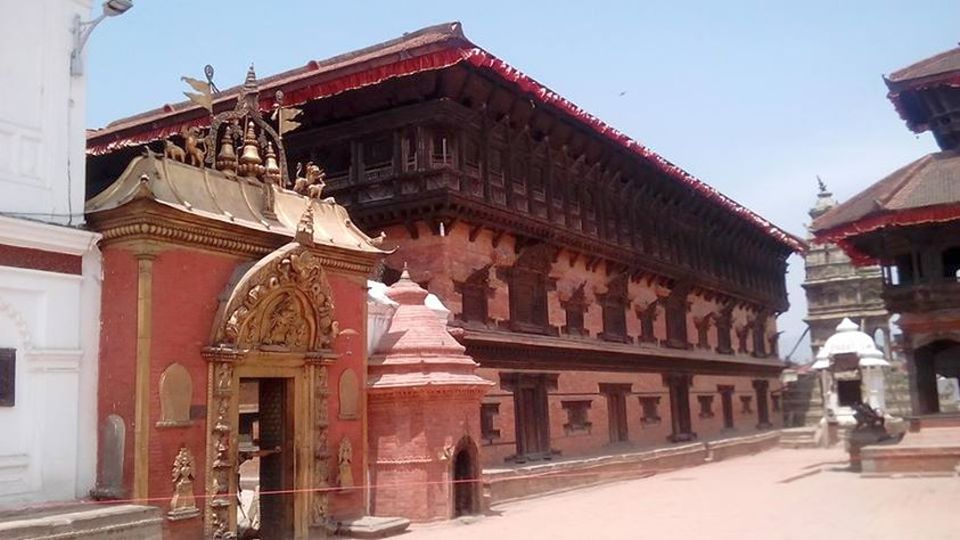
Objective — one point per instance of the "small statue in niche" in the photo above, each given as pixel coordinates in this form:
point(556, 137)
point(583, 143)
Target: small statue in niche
point(172, 151)
point(183, 504)
point(344, 461)
point(191, 146)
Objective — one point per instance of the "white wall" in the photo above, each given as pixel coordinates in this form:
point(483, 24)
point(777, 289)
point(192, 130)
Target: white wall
point(42, 112)
point(48, 439)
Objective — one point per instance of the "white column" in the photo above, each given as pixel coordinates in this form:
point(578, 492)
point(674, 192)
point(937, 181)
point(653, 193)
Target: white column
point(875, 385)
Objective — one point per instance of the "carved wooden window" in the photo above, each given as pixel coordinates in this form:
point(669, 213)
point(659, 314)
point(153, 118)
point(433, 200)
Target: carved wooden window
point(378, 158)
point(528, 282)
point(471, 156)
point(724, 323)
point(614, 304)
point(760, 336)
point(441, 149)
point(743, 332)
point(575, 307)
point(706, 406)
point(495, 166)
point(538, 180)
point(8, 377)
point(488, 412)
point(648, 315)
point(703, 331)
point(408, 150)
point(475, 292)
point(578, 416)
point(675, 310)
point(650, 406)
point(746, 404)
point(335, 161)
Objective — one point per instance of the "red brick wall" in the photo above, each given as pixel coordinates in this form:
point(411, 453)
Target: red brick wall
point(584, 385)
point(118, 349)
point(442, 260)
point(408, 436)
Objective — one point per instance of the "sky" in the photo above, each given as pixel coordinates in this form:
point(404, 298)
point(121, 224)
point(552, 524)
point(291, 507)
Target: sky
point(755, 98)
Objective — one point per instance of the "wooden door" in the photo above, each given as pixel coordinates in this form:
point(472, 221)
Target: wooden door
point(277, 463)
point(617, 414)
point(726, 400)
point(531, 417)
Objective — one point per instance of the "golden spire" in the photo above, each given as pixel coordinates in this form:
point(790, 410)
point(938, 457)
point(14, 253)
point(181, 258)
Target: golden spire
point(250, 161)
point(271, 169)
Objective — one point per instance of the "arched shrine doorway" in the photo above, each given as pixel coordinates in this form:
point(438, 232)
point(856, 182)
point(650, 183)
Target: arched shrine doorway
point(466, 479)
point(267, 399)
point(940, 358)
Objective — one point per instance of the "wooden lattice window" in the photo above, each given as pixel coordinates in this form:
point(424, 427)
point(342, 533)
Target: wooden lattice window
point(746, 404)
point(578, 415)
point(650, 406)
point(8, 377)
point(724, 324)
point(614, 304)
point(475, 293)
point(488, 412)
point(675, 309)
point(706, 406)
point(528, 282)
point(759, 325)
point(575, 307)
point(648, 316)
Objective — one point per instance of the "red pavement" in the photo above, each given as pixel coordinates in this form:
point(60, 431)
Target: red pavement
point(779, 494)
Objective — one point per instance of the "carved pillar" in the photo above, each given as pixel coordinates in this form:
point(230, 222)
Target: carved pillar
point(141, 422)
point(220, 512)
point(321, 451)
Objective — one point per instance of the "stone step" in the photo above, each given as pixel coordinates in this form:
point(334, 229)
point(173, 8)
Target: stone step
point(124, 521)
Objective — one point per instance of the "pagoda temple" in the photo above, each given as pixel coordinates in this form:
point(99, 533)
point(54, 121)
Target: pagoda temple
point(909, 222)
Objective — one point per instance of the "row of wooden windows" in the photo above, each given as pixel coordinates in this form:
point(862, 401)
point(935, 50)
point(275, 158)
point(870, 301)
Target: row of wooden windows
point(530, 406)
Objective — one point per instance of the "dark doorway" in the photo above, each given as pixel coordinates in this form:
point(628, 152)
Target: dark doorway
point(726, 403)
point(465, 476)
point(849, 393)
point(682, 428)
point(531, 411)
point(938, 358)
point(616, 411)
point(762, 388)
point(266, 464)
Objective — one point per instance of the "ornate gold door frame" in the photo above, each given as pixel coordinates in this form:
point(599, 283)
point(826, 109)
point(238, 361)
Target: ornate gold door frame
point(311, 455)
point(276, 321)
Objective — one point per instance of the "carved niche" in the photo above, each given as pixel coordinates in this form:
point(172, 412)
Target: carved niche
point(349, 395)
point(283, 303)
point(723, 319)
point(176, 393)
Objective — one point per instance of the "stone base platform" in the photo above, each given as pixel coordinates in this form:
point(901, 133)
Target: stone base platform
point(524, 481)
point(918, 423)
point(930, 452)
point(82, 521)
point(372, 527)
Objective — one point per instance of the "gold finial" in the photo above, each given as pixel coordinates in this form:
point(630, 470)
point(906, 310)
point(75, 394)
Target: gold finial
point(251, 80)
point(227, 158)
point(271, 168)
point(250, 161)
point(304, 235)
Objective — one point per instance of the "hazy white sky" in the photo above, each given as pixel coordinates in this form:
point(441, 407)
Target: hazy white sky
point(755, 98)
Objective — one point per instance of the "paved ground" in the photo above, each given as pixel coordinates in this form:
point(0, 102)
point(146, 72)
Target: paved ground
point(779, 494)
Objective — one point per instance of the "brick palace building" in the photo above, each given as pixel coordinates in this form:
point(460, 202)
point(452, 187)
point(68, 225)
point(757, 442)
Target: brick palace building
point(615, 300)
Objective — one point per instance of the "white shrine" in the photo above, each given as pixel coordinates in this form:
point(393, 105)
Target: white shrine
point(851, 372)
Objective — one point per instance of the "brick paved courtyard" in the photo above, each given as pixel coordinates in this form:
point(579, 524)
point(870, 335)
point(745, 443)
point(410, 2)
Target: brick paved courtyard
point(779, 494)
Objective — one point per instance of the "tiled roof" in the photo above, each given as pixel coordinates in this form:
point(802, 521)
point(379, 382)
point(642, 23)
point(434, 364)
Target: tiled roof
point(939, 64)
point(918, 192)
